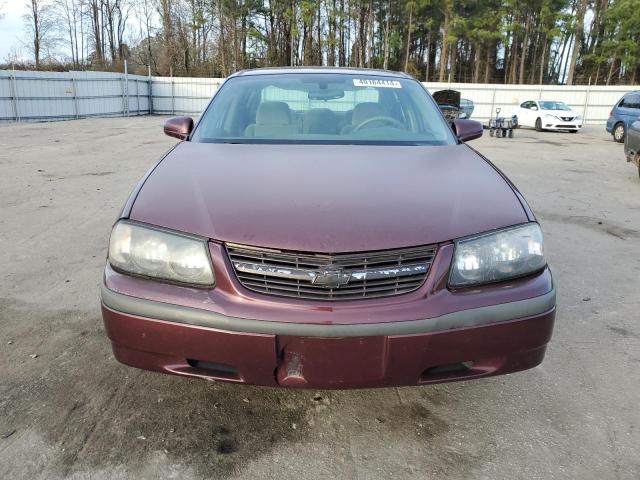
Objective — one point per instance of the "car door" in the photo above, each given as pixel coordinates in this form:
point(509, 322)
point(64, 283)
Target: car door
point(629, 108)
point(524, 114)
point(632, 140)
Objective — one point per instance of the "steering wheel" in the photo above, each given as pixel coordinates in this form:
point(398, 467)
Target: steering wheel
point(382, 118)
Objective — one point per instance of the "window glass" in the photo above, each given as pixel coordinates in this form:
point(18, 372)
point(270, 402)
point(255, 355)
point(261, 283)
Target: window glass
point(323, 108)
point(631, 101)
point(547, 105)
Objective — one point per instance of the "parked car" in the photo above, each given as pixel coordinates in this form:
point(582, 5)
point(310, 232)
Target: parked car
point(452, 105)
point(548, 115)
point(467, 106)
point(632, 143)
point(326, 228)
point(449, 103)
point(623, 113)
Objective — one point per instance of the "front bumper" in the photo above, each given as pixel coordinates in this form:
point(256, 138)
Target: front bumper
point(478, 342)
point(560, 126)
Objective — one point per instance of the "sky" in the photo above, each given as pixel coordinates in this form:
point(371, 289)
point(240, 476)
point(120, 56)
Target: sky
point(12, 28)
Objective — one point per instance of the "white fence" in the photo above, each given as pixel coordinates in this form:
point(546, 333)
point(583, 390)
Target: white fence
point(47, 96)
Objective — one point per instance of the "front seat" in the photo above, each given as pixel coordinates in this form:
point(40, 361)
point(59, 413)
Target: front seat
point(320, 120)
point(272, 119)
point(362, 112)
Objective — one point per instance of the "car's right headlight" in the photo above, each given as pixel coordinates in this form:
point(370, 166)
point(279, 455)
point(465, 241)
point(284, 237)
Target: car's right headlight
point(160, 254)
point(500, 255)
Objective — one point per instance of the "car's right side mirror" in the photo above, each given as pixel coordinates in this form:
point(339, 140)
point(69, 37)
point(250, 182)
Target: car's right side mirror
point(534, 108)
point(467, 129)
point(178, 127)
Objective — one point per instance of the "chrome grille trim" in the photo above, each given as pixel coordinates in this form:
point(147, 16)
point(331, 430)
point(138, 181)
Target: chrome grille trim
point(346, 276)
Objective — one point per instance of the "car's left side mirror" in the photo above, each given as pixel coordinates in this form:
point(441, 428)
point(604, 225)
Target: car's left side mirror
point(178, 127)
point(467, 129)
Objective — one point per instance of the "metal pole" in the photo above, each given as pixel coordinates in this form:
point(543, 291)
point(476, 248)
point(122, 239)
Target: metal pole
point(493, 103)
point(126, 89)
point(150, 91)
point(13, 86)
point(173, 97)
point(586, 103)
point(75, 97)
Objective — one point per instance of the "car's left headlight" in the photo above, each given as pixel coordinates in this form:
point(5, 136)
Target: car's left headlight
point(161, 254)
point(499, 255)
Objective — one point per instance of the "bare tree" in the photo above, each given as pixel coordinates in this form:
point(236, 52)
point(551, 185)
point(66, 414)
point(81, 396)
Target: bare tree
point(39, 24)
point(68, 13)
point(146, 17)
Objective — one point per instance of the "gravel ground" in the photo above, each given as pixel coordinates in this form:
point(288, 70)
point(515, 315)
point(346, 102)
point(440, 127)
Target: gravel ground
point(69, 410)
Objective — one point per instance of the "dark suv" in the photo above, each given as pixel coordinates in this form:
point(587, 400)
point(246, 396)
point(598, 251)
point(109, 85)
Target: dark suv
point(623, 114)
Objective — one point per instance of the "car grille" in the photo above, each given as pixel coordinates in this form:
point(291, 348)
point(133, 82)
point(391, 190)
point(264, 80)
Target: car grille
point(331, 277)
point(567, 119)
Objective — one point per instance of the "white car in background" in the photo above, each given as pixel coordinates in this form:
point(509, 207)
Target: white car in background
point(549, 115)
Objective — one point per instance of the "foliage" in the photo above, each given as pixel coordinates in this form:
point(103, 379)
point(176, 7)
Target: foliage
point(511, 41)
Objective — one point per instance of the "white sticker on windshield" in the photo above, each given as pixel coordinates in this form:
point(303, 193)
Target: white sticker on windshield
point(369, 82)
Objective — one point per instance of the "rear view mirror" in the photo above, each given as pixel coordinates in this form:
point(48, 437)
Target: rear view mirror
point(326, 94)
point(467, 129)
point(178, 127)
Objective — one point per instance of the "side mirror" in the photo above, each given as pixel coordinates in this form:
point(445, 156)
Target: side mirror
point(534, 108)
point(467, 129)
point(178, 127)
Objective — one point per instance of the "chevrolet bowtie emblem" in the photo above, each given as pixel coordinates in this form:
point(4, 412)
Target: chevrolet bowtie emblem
point(331, 276)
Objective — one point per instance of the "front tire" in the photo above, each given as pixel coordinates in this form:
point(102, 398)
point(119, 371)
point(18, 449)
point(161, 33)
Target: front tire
point(619, 133)
point(538, 125)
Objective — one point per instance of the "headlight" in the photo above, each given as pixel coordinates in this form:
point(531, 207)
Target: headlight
point(500, 255)
point(160, 254)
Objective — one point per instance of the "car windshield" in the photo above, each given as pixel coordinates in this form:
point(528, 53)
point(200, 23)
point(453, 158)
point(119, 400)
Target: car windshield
point(554, 106)
point(317, 108)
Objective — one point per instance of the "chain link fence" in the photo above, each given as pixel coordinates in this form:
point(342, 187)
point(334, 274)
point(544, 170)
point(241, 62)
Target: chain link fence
point(50, 96)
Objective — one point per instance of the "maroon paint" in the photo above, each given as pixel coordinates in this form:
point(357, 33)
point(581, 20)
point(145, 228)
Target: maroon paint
point(431, 300)
point(178, 127)
point(329, 362)
point(330, 198)
point(467, 130)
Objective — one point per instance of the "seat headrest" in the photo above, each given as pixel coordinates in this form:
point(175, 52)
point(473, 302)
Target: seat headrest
point(366, 110)
point(273, 113)
point(320, 120)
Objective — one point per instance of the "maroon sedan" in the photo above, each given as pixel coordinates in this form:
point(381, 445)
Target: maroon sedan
point(326, 228)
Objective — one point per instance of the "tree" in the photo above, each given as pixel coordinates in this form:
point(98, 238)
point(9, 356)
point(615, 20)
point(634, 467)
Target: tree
point(39, 24)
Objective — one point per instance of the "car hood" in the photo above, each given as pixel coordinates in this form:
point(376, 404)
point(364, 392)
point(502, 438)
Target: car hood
point(326, 198)
point(561, 113)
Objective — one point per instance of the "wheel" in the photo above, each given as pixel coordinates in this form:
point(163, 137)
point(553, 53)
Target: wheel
point(539, 125)
point(619, 132)
point(510, 133)
point(499, 133)
point(492, 132)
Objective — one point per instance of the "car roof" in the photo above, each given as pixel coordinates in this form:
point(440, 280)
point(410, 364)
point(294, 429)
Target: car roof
point(334, 70)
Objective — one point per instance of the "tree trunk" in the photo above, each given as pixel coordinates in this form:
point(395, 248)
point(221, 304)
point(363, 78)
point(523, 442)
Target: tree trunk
point(525, 43)
point(406, 56)
point(577, 45)
point(444, 53)
point(385, 63)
